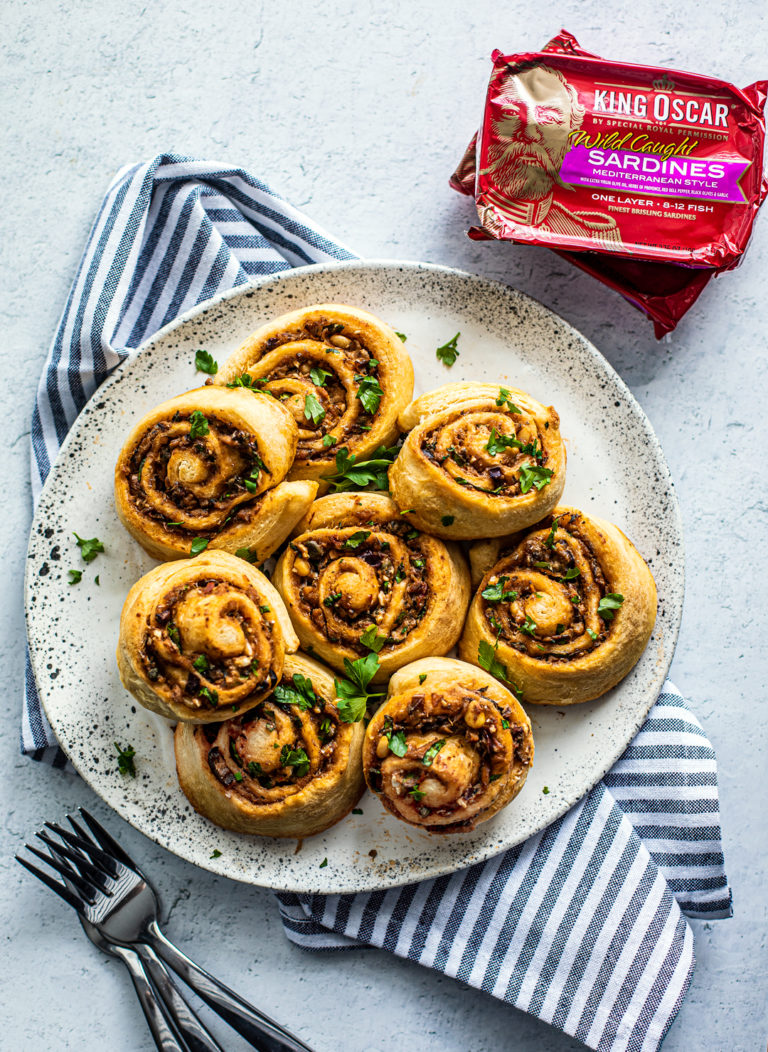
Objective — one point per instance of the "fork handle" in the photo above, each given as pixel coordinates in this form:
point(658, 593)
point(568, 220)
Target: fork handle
point(165, 1039)
point(197, 1037)
point(264, 1034)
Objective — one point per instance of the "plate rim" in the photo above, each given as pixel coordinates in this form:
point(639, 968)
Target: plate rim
point(481, 854)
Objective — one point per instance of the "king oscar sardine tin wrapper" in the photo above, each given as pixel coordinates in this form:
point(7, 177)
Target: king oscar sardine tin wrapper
point(646, 178)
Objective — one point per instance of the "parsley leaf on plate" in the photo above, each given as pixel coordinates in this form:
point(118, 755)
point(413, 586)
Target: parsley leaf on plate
point(125, 757)
point(206, 363)
point(448, 353)
point(89, 549)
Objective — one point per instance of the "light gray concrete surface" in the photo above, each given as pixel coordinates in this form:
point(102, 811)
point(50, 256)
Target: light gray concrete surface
point(358, 113)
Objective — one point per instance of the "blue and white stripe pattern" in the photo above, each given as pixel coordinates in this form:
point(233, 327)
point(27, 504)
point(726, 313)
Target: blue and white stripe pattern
point(583, 925)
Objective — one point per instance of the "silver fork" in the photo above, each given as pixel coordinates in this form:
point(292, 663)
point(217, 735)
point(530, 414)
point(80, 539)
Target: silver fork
point(108, 889)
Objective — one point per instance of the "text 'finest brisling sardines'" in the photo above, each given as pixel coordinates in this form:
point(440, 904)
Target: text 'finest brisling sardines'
point(632, 172)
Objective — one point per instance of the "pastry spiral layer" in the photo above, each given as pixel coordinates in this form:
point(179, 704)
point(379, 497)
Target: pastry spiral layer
point(448, 748)
point(209, 465)
point(287, 768)
point(343, 374)
point(480, 460)
point(202, 637)
point(357, 568)
point(569, 607)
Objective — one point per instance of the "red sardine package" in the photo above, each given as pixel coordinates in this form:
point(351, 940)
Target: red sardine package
point(648, 179)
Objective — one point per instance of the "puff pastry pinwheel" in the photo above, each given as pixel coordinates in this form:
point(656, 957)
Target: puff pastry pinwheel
point(359, 578)
point(208, 466)
point(202, 636)
point(342, 373)
point(479, 460)
point(287, 768)
point(563, 611)
point(449, 747)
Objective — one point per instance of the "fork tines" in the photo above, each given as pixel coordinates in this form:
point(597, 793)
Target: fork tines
point(87, 861)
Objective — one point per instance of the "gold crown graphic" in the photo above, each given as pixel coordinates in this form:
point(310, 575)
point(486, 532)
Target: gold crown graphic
point(664, 84)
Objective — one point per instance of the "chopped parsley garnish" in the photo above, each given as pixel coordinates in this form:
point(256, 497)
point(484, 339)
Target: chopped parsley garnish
point(422, 677)
point(319, 376)
point(301, 693)
point(352, 692)
point(353, 474)
point(373, 639)
point(545, 790)
point(215, 853)
point(295, 758)
point(528, 626)
point(238, 776)
point(265, 609)
point(357, 539)
point(173, 634)
point(397, 742)
point(486, 656)
point(206, 363)
point(505, 398)
point(313, 410)
point(201, 663)
point(254, 769)
point(96, 580)
point(245, 380)
point(417, 794)
point(571, 574)
point(75, 576)
point(199, 544)
point(246, 553)
point(447, 520)
point(329, 440)
point(448, 353)
point(211, 696)
point(400, 575)
point(495, 593)
point(332, 599)
point(323, 864)
point(609, 604)
point(89, 549)
point(505, 724)
point(550, 541)
point(125, 764)
point(357, 810)
point(198, 424)
point(432, 752)
point(369, 392)
point(401, 335)
point(534, 475)
point(592, 634)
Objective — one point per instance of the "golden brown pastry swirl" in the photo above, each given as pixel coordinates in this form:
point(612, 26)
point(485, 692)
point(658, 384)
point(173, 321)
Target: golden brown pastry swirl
point(288, 767)
point(480, 460)
point(342, 373)
point(202, 636)
point(359, 577)
point(569, 607)
point(448, 748)
point(208, 466)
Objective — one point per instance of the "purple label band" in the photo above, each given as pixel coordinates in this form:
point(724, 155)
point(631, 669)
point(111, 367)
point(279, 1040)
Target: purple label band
point(648, 173)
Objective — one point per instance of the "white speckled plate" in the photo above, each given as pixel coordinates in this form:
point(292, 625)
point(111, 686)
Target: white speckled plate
point(615, 469)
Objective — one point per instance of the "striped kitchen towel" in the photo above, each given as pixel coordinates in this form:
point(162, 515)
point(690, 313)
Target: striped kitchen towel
point(584, 925)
